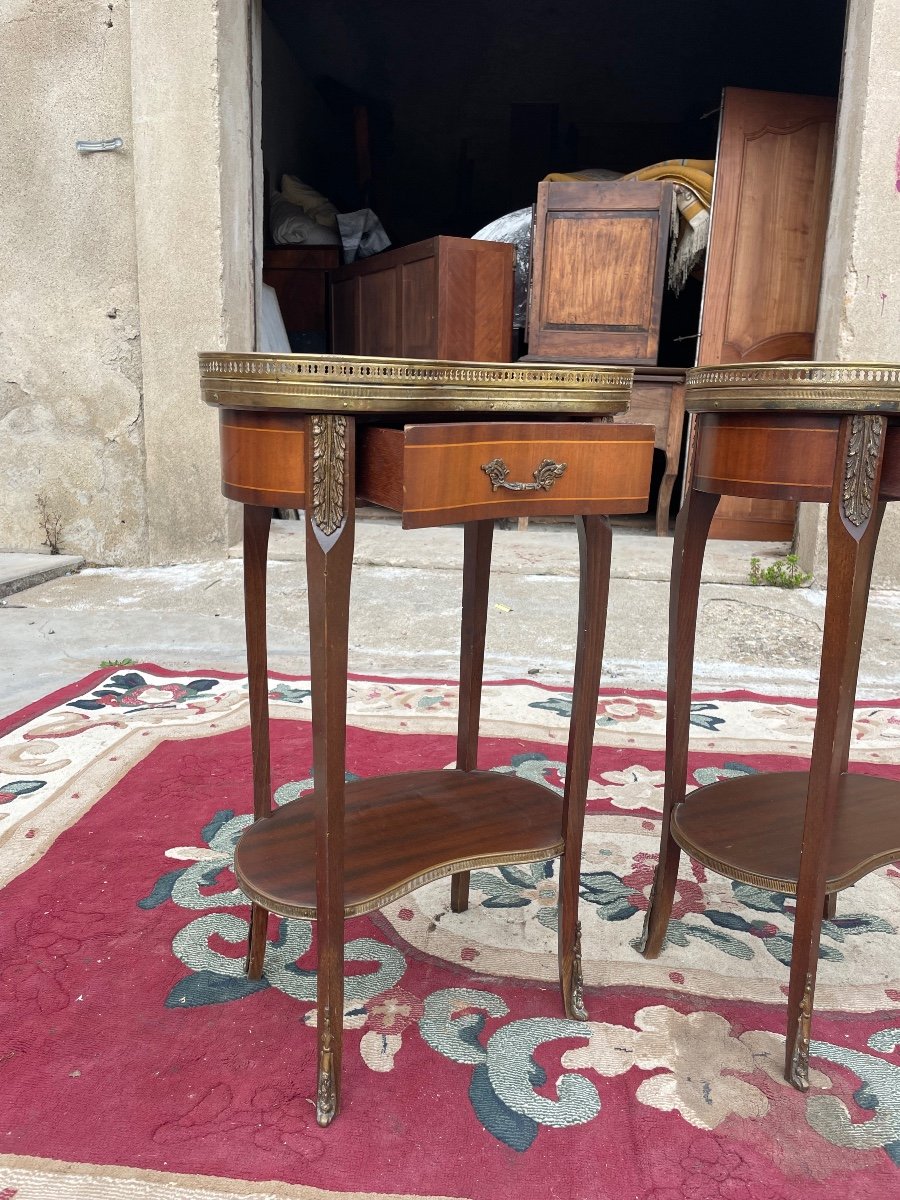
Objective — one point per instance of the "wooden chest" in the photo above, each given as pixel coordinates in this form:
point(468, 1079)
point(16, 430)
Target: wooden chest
point(444, 298)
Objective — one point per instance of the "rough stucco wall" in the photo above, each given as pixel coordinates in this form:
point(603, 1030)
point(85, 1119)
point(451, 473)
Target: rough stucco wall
point(859, 312)
point(191, 114)
point(70, 369)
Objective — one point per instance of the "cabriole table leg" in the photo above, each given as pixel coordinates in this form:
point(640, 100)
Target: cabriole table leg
point(595, 547)
point(478, 536)
point(329, 562)
point(691, 532)
point(257, 523)
point(852, 537)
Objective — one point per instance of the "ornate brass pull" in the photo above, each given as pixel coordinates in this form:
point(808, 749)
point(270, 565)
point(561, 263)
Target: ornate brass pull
point(545, 475)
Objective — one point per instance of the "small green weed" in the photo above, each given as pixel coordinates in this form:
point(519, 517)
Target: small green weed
point(117, 662)
point(783, 573)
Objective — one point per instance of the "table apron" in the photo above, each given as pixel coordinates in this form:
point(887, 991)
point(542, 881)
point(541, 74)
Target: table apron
point(756, 454)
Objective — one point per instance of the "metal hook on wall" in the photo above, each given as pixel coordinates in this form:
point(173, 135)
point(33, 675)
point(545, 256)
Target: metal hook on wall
point(115, 143)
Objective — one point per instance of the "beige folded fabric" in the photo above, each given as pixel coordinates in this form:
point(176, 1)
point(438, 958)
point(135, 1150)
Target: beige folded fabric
point(313, 203)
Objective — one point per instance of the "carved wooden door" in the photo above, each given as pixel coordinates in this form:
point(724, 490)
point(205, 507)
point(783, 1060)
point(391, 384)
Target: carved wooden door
point(764, 263)
point(598, 271)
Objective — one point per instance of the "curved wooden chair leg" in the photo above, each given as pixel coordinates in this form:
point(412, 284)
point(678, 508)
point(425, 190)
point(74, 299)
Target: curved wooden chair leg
point(691, 531)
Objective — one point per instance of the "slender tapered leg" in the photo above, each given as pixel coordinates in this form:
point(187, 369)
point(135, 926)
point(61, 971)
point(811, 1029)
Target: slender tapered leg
point(829, 908)
point(257, 522)
point(476, 581)
point(853, 525)
point(691, 531)
point(329, 559)
point(595, 546)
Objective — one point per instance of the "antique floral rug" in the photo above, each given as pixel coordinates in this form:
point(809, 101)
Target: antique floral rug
point(136, 1060)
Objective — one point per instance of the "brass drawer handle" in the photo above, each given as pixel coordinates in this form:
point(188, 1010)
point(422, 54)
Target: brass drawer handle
point(545, 475)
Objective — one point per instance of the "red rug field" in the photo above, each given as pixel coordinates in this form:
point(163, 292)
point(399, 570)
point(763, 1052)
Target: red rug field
point(136, 1060)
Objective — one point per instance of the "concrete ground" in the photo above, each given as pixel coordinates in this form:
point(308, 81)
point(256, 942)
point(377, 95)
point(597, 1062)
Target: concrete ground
point(405, 614)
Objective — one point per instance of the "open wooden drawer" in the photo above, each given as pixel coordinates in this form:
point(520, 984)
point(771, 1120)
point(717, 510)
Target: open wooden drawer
point(441, 474)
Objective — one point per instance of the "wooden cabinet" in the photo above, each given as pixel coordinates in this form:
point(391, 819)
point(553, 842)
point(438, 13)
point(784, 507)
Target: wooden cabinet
point(598, 255)
point(444, 298)
point(764, 263)
point(299, 275)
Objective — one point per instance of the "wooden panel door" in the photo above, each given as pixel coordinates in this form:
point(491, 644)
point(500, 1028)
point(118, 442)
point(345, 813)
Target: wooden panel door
point(598, 271)
point(764, 263)
point(418, 333)
point(379, 313)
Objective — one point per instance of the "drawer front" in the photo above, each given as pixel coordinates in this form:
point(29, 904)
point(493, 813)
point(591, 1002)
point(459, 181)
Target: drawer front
point(772, 457)
point(263, 458)
point(443, 474)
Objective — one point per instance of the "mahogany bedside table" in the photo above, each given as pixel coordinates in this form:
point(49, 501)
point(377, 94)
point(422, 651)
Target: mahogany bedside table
point(442, 443)
point(788, 431)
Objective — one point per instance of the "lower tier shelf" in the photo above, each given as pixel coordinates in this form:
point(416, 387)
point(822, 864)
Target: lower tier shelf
point(750, 829)
point(400, 831)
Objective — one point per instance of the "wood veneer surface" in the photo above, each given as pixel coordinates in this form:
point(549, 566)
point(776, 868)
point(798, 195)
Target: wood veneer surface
point(434, 474)
point(400, 831)
point(263, 458)
point(598, 271)
point(772, 456)
point(442, 298)
point(754, 826)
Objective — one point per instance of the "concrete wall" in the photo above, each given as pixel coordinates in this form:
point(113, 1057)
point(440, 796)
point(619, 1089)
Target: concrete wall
point(859, 313)
point(117, 268)
point(70, 370)
point(195, 261)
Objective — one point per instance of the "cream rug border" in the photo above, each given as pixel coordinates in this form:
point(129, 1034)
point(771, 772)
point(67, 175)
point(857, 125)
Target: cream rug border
point(51, 1179)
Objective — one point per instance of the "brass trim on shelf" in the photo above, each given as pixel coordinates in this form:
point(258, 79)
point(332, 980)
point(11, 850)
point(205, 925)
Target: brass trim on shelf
point(771, 883)
point(336, 383)
point(403, 889)
point(767, 883)
point(794, 386)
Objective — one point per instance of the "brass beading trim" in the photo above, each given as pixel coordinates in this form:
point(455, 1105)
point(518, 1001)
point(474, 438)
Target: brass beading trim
point(797, 386)
point(402, 889)
point(345, 382)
